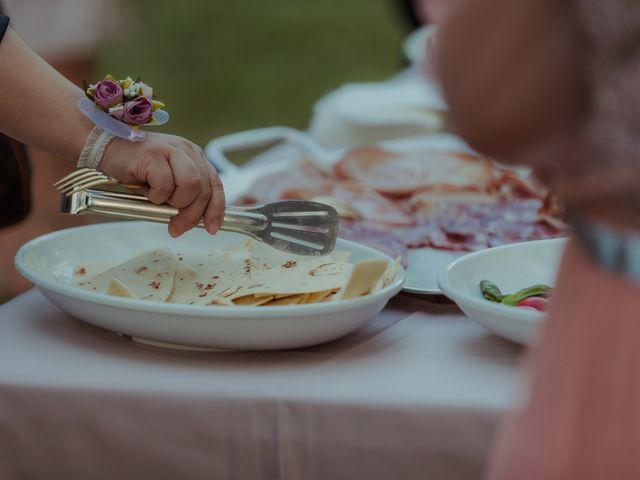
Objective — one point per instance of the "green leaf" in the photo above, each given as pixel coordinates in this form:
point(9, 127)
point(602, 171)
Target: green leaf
point(539, 290)
point(490, 291)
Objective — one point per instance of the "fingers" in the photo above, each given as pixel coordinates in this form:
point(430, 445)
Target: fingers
point(159, 177)
point(214, 214)
point(193, 212)
point(187, 179)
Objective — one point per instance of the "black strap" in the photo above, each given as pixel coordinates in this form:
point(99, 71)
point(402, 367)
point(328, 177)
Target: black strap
point(4, 24)
point(15, 176)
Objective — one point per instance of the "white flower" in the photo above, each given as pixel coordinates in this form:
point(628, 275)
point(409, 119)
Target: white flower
point(130, 92)
point(134, 89)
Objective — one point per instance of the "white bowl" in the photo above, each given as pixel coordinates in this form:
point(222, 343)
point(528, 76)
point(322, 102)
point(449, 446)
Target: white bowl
point(511, 267)
point(50, 261)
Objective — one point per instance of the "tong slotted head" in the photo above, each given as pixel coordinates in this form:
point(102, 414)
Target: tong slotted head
point(298, 227)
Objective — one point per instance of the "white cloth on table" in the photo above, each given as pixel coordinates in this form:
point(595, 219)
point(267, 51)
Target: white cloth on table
point(414, 394)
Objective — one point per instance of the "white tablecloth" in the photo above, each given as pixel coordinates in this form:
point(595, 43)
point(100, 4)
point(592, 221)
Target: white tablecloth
point(415, 394)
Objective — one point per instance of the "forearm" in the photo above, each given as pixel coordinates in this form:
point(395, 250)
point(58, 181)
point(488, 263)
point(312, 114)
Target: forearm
point(37, 104)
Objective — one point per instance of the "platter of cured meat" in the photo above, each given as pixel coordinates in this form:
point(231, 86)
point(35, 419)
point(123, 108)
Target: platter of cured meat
point(426, 200)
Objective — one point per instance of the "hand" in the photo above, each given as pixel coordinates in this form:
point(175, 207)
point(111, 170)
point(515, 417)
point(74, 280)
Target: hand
point(174, 171)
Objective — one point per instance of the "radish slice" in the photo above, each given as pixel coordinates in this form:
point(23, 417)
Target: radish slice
point(539, 303)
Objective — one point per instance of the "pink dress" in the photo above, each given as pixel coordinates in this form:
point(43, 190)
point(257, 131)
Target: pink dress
point(578, 416)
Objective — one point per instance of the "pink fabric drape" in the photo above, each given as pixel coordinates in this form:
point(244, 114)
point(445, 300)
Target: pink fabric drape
point(580, 418)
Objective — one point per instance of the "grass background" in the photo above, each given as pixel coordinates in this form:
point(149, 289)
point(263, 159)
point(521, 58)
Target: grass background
point(223, 66)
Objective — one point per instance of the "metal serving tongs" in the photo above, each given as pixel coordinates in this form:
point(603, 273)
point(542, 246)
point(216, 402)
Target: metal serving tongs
point(299, 227)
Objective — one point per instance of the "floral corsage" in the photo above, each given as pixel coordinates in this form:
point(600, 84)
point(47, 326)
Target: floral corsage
point(121, 107)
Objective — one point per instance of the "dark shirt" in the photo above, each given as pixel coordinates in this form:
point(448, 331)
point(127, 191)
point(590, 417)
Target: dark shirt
point(15, 172)
point(4, 23)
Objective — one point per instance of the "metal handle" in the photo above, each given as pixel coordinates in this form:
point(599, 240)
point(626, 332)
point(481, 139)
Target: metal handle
point(137, 207)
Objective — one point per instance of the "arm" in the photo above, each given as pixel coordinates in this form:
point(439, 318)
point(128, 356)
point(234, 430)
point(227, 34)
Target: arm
point(515, 75)
point(38, 103)
point(511, 72)
point(37, 106)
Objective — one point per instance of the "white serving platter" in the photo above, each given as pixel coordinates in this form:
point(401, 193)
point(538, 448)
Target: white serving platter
point(50, 262)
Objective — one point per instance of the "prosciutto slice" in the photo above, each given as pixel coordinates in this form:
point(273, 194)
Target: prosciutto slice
point(403, 174)
point(370, 205)
point(300, 182)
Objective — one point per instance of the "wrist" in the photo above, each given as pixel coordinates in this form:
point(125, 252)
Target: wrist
point(94, 148)
point(109, 152)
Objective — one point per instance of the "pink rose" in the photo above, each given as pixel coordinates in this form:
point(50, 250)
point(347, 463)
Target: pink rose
point(138, 111)
point(108, 93)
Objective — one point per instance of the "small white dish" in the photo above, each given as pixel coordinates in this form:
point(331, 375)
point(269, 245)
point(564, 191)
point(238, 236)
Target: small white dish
point(50, 262)
point(510, 267)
